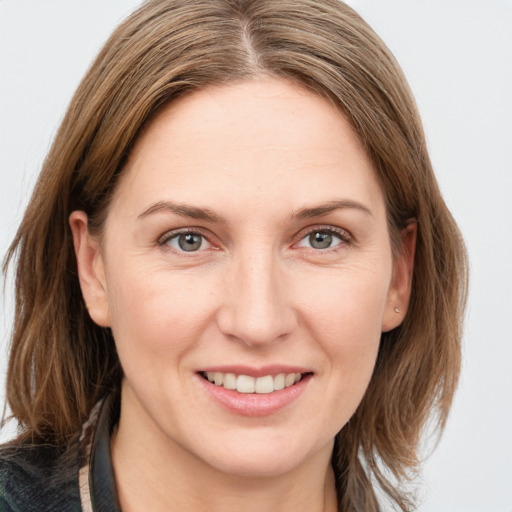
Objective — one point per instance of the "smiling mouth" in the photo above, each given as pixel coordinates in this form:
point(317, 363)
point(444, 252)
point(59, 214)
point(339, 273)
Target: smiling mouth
point(247, 384)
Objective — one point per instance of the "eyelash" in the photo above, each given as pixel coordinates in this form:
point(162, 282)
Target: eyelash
point(344, 236)
point(167, 237)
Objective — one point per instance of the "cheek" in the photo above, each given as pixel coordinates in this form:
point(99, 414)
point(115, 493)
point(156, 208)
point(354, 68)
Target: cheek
point(345, 305)
point(341, 315)
point(154, 311)
point(344, 315)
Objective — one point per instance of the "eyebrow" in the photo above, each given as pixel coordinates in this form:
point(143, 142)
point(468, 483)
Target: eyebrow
point(184, 210)
point(324, 209)
point(194, 212)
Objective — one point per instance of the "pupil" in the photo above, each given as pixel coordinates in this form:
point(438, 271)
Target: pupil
point(320, 240)
point(189, 242)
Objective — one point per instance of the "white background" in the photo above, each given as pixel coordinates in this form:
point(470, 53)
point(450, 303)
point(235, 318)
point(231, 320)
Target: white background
point(457, 55)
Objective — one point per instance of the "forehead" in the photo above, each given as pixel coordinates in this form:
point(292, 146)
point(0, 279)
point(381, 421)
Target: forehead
point(266, 139)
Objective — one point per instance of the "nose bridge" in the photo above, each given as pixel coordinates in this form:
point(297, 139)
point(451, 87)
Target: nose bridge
point(257, 307)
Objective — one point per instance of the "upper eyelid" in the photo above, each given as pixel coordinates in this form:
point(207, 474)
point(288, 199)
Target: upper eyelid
point(343, 233)
point(162, 239)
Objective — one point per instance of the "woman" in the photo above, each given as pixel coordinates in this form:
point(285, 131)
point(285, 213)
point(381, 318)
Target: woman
point(231, 291)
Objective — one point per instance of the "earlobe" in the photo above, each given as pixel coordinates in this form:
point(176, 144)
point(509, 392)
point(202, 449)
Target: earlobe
point(399, 292)
point(91, 272)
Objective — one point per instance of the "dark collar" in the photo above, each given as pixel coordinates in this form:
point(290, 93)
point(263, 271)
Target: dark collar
point(96, 477)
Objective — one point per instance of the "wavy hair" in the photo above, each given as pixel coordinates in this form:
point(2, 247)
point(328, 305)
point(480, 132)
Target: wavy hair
point(61, 363)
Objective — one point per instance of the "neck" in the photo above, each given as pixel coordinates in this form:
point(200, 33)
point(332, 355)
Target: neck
point(171, 478)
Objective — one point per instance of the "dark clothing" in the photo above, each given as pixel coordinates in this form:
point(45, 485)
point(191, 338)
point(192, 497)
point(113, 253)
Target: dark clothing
point(78, 478)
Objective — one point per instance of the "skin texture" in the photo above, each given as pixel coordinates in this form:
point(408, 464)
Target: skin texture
point(256, 293)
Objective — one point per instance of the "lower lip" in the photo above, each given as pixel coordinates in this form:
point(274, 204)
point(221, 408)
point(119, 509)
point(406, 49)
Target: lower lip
point(255, 404)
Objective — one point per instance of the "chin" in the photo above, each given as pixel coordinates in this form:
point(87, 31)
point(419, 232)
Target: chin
point(265, 458)
point(258, 466)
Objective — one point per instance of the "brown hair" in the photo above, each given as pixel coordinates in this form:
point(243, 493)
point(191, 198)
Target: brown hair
point(61, 363)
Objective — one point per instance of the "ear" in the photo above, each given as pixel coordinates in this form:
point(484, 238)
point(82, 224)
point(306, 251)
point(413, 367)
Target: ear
point(399, 292)
point(90, 269)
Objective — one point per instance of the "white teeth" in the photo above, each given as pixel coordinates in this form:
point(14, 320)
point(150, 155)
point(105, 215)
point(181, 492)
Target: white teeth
point(289, 380)
point(230, 381)
point(279, 382)
point(246, 384)
point(264, 384)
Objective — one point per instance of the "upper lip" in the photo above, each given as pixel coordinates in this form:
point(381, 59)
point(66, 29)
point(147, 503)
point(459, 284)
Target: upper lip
point(253, 371)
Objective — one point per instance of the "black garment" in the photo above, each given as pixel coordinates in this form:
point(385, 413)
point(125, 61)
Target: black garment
point(78, 478)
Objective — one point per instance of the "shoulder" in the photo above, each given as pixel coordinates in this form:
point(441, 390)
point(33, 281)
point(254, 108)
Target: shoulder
point(39, 478)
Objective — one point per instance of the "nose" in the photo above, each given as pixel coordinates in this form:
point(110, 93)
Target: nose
point(257, 309)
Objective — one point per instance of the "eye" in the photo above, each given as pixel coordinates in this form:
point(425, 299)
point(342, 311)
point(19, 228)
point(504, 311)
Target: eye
point(321, 239)
point(187, 241)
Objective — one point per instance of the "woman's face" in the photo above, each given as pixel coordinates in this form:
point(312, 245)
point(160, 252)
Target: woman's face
point(247, 244)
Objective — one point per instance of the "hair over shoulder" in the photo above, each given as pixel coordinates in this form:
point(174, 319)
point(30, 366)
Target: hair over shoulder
point(61, 363)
